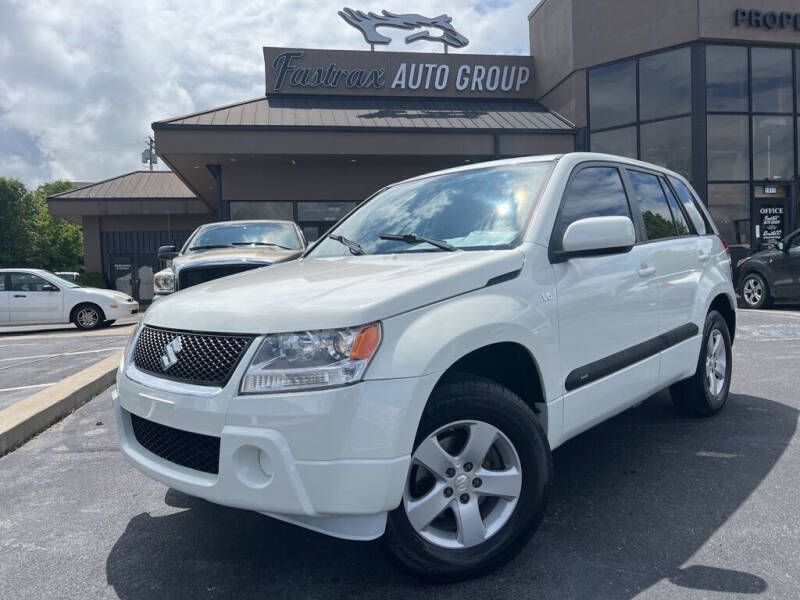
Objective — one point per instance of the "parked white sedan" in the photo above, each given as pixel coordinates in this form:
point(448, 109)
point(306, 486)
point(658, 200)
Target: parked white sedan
point(34, 296)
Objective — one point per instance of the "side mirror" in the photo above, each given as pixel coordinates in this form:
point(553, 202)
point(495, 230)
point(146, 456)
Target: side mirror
point(49, 287)
point(594, 236)
point(167, 252)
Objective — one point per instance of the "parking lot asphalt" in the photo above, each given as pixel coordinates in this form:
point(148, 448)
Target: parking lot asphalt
point(648, 505)
point(31, 359)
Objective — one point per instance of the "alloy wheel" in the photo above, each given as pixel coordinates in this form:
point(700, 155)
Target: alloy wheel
point(87, 317)
point(464, 483)
point(716, 362)
point(753, 291)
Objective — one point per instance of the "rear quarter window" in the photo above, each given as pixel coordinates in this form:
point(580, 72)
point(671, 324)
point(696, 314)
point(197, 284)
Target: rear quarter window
point(689, 204)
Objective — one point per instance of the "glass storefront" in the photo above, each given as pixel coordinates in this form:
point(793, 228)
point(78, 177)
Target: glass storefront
point(650, 121)
point(642, 108)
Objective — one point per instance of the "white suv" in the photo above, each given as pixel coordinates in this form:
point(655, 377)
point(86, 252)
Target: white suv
point(408, 377)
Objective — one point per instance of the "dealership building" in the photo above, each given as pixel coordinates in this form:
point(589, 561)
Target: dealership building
point(708, 88)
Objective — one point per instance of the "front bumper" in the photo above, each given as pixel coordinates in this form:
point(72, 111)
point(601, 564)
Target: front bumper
point(122, 310)
point(331, 460)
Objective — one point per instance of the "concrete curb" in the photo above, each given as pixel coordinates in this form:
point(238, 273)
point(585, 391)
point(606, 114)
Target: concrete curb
point(24, 419)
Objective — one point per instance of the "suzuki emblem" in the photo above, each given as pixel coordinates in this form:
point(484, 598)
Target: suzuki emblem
point(170, 357)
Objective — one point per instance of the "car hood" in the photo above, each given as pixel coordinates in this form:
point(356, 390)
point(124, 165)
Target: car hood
point(110, 294)
point(320, 293)
point(264, 254)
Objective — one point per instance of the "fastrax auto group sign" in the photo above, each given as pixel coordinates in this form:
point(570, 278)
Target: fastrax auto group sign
point(347, 72)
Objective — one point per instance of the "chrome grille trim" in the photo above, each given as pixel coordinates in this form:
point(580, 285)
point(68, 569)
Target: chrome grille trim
point(205, 359)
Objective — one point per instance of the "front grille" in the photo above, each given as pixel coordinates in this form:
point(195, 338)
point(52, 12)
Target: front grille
point(190, 276)
point(191, 450)
point(199, 358)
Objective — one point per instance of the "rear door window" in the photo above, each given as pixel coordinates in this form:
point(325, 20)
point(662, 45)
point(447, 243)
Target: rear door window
point(593, 192)
point(657, 217)
point(689, 204)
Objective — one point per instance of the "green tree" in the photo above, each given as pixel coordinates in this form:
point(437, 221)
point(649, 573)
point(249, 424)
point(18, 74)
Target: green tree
point(60, 243)
point(18, 224)
point(30, 236)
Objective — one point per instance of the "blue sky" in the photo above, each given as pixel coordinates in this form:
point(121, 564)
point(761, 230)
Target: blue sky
point(81, 81)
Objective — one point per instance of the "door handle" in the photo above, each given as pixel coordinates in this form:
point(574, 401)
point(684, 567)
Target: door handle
point(703, 256)
point(20, 296)
point(646, 270)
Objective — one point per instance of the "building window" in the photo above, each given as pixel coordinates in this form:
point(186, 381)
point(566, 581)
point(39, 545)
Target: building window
point(615, 141)
point(262, 210)
point(665, 84)
point(729, 204)
point(726, 78)
point(668, 144)
point(773, 148)
point(728, 148)
point(612, 95)
point(771, 75)
point(323, 211)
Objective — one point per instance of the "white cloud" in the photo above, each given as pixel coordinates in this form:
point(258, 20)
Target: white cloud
point(81, 81)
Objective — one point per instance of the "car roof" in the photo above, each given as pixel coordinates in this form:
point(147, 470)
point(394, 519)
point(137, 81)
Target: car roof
point(245, 222)
point(572, 157)
point(23, 270)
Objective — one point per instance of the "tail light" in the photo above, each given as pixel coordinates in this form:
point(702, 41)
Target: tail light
point(728, 252)
point(727, 249)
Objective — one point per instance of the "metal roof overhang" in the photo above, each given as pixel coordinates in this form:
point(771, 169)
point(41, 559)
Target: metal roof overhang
point(276, 130)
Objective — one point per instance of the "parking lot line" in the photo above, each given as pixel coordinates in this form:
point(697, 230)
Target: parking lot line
point(61, 354)
point(26, 387)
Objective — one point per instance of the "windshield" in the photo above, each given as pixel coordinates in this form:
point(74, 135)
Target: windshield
point(276, 235)
point(61, 282)
point(470, 210)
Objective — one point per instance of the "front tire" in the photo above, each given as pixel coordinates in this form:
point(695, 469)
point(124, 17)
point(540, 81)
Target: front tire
point(755, 291)
point(706, 392)
point(88, 316)
point(477, 487)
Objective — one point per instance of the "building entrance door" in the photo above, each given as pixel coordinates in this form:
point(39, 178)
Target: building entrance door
point(132, 274)
point(771, 220)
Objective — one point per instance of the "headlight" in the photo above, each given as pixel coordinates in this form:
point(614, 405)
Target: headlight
point(311, 359)
point(164, 281)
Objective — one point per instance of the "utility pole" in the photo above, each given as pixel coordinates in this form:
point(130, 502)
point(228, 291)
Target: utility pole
point(149, 154)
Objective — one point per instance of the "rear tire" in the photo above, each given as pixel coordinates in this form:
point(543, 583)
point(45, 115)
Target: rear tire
point(480, 494)
point(88, 316)
point(706, 392)
point(755, 291)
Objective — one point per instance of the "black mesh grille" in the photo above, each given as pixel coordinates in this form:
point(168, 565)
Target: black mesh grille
point(192, 276)
point(192, 450)
point(203, 359)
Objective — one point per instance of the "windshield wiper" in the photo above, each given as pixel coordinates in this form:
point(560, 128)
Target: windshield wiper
point(354, 247)
point(413, 238)
point(261, 244)
point(210, 246)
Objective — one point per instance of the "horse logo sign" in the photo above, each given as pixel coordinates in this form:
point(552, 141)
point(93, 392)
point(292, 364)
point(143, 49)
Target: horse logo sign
point(369, 22)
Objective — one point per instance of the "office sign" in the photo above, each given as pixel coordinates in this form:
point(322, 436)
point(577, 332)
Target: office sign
point(771, 222)
point(347, 72)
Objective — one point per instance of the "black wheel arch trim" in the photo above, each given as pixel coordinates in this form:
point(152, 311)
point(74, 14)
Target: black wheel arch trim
point(598, 369)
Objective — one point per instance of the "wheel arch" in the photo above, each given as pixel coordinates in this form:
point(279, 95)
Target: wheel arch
point(508, 363)
point(724, 306)
point(79, 305)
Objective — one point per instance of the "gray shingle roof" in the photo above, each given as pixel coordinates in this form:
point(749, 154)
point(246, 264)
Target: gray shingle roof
point(381, 113)
point(139, 184)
